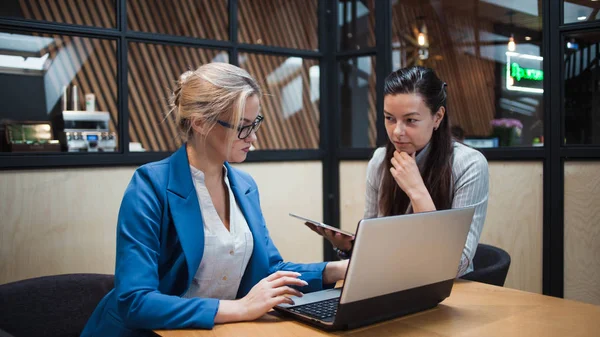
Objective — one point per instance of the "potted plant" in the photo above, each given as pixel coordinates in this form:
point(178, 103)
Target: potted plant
point(508, 131)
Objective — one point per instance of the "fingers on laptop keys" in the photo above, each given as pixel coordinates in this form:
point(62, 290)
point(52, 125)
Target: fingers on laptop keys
point(281, 283)
point(272, 290)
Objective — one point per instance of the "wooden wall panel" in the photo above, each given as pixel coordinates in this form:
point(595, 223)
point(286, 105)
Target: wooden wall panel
point(582, 232)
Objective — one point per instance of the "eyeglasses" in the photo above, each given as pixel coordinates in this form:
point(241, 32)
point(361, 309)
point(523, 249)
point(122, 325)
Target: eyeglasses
point(245, 130)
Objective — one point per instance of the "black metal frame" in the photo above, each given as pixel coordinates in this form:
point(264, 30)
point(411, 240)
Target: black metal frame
point(553, 155)
point(557, 153)
point(552, 271)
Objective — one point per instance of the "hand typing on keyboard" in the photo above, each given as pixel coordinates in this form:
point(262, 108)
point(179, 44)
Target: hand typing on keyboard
point(269, 292)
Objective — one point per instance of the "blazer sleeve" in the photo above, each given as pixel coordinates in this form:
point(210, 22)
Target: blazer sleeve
point(312, 273)
point(471, 188)
point(140, 304)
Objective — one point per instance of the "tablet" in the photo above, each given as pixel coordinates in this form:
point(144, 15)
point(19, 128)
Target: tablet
point(322, 225)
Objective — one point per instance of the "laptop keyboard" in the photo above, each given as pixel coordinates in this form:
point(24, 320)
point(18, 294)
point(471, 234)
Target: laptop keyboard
point(319, 310)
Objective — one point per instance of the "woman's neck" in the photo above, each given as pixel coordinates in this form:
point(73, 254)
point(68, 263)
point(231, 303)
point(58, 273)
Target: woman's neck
point(199, 156)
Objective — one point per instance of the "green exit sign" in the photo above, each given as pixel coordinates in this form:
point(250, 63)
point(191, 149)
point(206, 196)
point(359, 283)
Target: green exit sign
point(520, 73)
point(524, 73)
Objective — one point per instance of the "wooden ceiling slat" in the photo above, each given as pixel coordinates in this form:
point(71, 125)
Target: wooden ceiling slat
point(274, 128)
point(139, 106)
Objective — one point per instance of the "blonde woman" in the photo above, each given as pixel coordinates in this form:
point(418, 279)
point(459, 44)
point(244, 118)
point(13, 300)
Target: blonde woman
point(192, 246)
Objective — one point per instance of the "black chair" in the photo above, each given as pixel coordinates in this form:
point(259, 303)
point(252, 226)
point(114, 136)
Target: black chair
point(490, 265)
point(51, 306)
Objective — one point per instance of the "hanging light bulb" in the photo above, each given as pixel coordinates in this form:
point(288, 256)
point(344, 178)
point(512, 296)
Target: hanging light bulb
point(511, 43)
point(421, 39)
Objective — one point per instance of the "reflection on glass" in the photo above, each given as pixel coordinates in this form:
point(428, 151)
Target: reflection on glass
point(357, 102)
point(356, 24)
point(153, 71)
point(290, 103)
point(489, 53)
point(290, 23)
point(205, 19)
point(98, 13)
point(582, 88)
point(581, 11)
point(48, 79)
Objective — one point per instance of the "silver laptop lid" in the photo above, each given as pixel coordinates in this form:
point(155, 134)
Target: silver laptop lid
point(396, 253)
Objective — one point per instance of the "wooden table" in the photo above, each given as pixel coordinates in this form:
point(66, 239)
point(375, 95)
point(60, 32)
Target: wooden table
point(473, 309)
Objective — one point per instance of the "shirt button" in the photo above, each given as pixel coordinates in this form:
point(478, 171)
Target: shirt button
point(224, 278)
point(231, 252)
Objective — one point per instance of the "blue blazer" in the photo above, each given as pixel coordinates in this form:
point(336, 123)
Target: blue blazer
point(160, 242)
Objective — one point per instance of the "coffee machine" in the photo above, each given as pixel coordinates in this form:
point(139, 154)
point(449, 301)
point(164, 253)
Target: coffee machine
point(85, 131)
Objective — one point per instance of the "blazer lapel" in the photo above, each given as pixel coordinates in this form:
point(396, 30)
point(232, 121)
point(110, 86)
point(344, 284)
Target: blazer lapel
point(185, 211)
point(259, 264)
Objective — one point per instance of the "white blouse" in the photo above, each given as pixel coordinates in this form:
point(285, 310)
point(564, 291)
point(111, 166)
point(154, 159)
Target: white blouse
point(226, 253)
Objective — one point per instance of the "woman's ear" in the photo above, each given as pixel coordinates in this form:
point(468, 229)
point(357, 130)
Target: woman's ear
point(438, 117)
point(198, 126)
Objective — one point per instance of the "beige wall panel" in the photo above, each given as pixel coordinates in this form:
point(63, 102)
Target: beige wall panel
point(59, 221)
point(514, 219)
point(64, 221)
point(353, 184)
point(582, 231)
point(291, 187)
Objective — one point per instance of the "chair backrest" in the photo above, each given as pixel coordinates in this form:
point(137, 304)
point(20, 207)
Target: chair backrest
point(490, 265)
point(51, 306)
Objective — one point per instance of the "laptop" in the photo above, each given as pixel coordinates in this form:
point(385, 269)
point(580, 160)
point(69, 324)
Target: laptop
point(400, 265)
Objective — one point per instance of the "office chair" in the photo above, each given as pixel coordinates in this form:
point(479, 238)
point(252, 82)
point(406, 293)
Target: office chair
point(490, 265)
point(51, 306)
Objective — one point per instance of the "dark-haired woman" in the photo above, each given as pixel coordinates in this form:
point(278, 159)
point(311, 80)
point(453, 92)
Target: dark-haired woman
point(422, 168)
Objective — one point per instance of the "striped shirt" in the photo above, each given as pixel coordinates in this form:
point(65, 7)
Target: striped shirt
point(470, 188)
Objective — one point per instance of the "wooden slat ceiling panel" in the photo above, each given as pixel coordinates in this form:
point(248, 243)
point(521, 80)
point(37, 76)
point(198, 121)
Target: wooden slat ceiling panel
point(298, 130)
point(78, 12)
point(372, 104)
point(471, 80)
point(206, 19)
point(291, 23)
